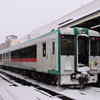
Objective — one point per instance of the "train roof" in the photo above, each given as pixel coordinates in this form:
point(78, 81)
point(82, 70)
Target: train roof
point(29, 42)
point(66, 30)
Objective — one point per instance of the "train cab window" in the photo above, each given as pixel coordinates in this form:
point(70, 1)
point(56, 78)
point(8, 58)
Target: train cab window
point(95, 46)
point(67, 45)
point(44, 49)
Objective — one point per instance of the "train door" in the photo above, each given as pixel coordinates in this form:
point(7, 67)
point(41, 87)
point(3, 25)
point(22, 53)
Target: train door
point(44, 56)
point(4, 59)
point(7, 59)
point(82, 51)
point(53, 58)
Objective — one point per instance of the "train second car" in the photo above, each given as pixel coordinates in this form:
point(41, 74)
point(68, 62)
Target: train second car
point(66, 56)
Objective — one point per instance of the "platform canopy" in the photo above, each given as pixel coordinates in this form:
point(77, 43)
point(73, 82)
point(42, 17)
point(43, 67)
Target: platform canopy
point(87, 16)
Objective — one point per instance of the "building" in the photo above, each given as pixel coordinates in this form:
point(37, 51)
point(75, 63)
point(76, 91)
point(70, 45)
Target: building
point(10, 41)
point(87, 16)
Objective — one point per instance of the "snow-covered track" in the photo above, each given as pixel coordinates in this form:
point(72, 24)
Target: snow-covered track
point(38, 88)
point(62, 93)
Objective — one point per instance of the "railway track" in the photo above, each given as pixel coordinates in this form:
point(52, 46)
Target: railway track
point(52, 92)
point(26, 83)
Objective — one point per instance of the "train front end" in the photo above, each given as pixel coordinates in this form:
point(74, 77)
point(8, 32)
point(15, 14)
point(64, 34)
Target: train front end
point(80, 56)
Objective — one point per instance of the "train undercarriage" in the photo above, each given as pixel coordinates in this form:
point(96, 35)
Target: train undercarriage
point(50, 79)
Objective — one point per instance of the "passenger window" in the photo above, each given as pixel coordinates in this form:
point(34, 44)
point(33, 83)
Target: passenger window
point(44, 49)
point(0, 56)
point(7, 55)
point(53, 48)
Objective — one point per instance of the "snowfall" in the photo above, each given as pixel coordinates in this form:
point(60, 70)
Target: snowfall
point(11, 92)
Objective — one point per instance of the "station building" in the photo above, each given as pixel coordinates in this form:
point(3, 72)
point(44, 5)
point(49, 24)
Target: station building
point(87, 16)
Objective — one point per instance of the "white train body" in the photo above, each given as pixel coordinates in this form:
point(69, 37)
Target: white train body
point(66, 53)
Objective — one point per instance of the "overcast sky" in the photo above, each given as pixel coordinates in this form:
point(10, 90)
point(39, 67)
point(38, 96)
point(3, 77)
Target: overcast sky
point(19, 17)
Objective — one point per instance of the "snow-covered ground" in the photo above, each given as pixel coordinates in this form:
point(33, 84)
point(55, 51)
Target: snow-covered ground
point(10, 92)
point(23, 93)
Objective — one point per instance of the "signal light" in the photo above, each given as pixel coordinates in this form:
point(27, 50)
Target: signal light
point(97, 39)
point(62, 36)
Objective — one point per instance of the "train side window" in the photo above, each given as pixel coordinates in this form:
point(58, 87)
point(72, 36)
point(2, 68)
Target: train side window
point(31, 51)
point(34, 54)
point(7, 55)
point(44, 49)
point(0, 56)
point(53, 48)
point(4, 55)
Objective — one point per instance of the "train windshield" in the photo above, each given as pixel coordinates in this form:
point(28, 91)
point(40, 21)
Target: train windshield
point(95, 46)
point(67, 45)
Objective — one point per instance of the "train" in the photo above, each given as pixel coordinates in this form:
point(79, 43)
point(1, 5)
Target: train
point(65, 56)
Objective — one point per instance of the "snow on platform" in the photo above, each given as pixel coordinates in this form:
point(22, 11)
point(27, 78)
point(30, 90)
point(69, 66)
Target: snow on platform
point(24, 93)
point(86, 94)
point(10, 92)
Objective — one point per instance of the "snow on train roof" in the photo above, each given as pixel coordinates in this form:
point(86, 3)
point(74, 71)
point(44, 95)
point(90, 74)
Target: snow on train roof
point(94, 33)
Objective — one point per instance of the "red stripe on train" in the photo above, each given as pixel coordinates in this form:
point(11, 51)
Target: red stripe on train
point(24, 60)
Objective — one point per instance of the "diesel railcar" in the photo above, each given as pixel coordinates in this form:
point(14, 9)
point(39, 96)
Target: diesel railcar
point(66, 56)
